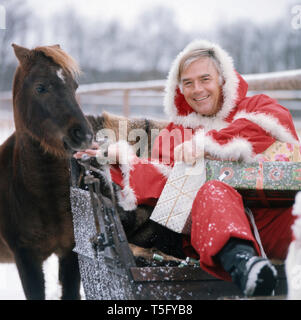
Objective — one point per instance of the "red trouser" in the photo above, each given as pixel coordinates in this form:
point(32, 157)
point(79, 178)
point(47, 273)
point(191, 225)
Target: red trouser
point(218, 214)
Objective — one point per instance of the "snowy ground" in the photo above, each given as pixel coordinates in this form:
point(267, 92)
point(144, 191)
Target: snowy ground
point(10, 285)
point(11, 288)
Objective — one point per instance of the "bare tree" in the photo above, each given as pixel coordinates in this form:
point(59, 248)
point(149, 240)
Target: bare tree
point(156, 37)
point(17, 20)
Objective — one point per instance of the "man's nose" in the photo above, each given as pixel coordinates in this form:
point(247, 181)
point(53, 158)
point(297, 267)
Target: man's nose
point(198, 87)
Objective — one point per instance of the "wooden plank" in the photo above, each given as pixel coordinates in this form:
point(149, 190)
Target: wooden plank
point(284, 80)
point(146, 274)
point(188, 290)
point(188, 283)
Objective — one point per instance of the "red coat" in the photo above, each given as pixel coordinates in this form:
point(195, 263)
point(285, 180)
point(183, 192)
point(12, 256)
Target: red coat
point(243, 128)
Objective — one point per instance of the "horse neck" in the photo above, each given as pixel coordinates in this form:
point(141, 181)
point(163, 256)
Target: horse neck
point(33, 160)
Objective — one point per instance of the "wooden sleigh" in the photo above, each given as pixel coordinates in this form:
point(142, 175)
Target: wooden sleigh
point(110, 271)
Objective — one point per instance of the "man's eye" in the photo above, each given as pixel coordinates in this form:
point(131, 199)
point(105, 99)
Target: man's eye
point(41, 88)
point(186, 84)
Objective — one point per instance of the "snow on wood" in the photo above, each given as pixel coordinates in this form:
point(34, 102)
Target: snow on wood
point(284, 80)
point(156, 85)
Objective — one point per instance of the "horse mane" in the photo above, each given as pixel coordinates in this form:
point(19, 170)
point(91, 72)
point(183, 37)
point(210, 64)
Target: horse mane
point(60, 57)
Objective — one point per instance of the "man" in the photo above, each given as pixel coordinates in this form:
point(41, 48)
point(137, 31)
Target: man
point(204, 91)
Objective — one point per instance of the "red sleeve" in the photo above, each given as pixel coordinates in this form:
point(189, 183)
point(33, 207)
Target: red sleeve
point(267, 113)
point(257, 124)
point(141, 182)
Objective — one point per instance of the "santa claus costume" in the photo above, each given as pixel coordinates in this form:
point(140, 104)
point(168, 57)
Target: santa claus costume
point(243, 128)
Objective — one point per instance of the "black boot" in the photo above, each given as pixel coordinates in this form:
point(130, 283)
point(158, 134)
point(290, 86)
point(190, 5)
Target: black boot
point(254, 275)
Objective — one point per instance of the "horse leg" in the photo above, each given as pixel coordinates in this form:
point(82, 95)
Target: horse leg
point(31, 274)
point(69, 276)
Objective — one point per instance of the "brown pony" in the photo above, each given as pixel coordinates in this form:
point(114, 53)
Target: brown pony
point(35, 213)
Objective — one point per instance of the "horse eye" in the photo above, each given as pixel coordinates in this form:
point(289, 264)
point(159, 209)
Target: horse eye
point(41, 88)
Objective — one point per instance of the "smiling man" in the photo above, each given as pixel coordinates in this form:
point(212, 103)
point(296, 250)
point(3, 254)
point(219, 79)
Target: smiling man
point(204, 91)
point(201, 84)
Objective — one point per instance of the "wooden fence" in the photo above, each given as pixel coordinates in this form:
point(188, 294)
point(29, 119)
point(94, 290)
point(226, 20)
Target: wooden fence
point(285, 85)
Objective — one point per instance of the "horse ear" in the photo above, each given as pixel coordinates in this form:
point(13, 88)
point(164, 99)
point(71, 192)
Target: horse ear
point(21, 53)
point(56, 46)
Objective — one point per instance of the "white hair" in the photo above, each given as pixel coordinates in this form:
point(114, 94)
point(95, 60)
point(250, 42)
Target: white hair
point(195, 55)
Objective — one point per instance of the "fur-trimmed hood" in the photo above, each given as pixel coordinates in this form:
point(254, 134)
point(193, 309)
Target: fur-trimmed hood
point(234, 89)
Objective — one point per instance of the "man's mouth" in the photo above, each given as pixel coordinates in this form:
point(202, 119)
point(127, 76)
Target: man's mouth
point(201, 99)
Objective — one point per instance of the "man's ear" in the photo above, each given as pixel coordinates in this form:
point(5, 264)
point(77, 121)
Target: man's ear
point(21, 53)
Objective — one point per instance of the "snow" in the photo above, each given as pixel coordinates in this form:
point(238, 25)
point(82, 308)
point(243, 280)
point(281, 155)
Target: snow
point(10, 284)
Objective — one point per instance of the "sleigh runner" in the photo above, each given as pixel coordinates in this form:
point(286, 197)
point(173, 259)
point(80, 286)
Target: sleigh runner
point(107, 265)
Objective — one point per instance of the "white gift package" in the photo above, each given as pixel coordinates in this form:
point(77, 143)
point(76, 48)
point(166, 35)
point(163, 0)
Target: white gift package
point(175, 202)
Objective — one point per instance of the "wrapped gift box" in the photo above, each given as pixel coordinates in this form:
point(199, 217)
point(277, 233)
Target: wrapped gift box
point(272, 181)
point(262, 184)
point(174, 205)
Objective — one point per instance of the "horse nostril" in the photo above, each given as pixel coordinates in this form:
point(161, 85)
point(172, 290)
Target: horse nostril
point(80, 136)
point(77, 134)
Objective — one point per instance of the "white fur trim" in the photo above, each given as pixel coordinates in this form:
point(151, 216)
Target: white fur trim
point(269, 124)
point(297, 205)
point(297, 229)
point(163, 169)
point(126, 197)
point(293, 270)
point(126, 152)
point(293, 259)
point(229, 88)
point(194, 120)
point(236, 149)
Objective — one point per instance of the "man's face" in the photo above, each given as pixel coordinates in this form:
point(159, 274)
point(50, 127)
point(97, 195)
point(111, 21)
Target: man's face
point(201, 88)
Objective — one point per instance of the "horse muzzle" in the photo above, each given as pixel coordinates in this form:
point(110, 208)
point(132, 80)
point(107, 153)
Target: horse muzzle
point(78, 138)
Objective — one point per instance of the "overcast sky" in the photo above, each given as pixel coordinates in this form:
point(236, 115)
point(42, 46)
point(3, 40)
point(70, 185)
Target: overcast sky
point(190, 14)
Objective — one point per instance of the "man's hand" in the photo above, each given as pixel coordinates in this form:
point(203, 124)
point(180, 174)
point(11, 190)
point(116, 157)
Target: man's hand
point(187, 152)
point(209, 157)
point(115, 153)
point(90, 152)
